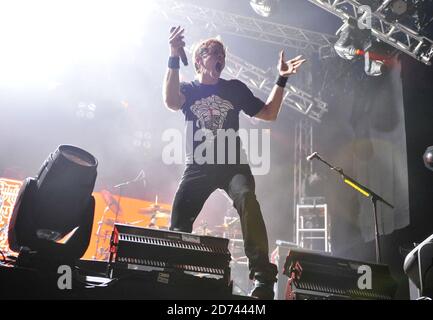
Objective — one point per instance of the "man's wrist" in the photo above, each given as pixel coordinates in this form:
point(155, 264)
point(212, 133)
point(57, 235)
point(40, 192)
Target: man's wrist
point(281, 81)
point(173, 62)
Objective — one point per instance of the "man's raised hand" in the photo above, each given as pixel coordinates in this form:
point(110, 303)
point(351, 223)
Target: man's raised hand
point(176, 41)
point(289, 67)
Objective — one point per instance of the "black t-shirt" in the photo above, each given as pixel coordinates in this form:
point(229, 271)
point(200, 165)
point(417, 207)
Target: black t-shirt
point(215, 109)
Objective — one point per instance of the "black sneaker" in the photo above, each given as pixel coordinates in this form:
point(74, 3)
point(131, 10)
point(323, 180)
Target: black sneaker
point(264, 282)
point(262, 291)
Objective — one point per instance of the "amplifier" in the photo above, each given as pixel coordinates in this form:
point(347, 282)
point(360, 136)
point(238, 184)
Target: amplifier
point(319, 276)
point(144, 249)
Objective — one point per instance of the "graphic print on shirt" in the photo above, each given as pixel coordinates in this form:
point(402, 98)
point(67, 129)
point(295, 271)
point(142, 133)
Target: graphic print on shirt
point(211, 112)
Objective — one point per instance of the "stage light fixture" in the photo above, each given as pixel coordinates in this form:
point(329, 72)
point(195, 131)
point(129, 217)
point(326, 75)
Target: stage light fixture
point(354, 42)
point(399, 7)
point(372, 67)
point(264, 8)
point(414, 14)
point(53, 215)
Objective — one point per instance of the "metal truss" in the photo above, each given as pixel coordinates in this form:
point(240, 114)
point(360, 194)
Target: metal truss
point(263, 80)
point(261, 30)
point(393, 33)
point(303, 148)
point(301, 168)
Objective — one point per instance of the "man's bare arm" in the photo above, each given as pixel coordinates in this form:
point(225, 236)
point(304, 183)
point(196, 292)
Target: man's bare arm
point(272, 107)
point(173, 98)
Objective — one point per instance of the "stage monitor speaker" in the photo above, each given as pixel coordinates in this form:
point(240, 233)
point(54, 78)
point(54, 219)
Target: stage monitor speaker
point(135, 250)
point(320, 276)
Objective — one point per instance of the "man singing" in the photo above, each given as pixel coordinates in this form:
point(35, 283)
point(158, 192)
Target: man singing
point(213, 104)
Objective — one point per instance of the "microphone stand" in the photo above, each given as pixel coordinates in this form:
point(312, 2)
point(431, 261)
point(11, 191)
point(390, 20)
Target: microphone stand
point(119, 186)
point(366, 192)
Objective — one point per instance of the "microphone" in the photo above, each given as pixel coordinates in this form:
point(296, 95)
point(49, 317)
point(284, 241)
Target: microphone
point(183, 56)
point(312, 156)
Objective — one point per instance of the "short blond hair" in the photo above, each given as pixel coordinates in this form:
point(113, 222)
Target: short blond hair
point(198, 49)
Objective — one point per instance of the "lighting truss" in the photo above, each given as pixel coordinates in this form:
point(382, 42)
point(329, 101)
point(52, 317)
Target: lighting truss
point(263, 81)
point(224, 22)
point(393, 33)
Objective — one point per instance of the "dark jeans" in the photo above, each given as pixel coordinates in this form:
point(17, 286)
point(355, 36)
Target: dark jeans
point(196, 185)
